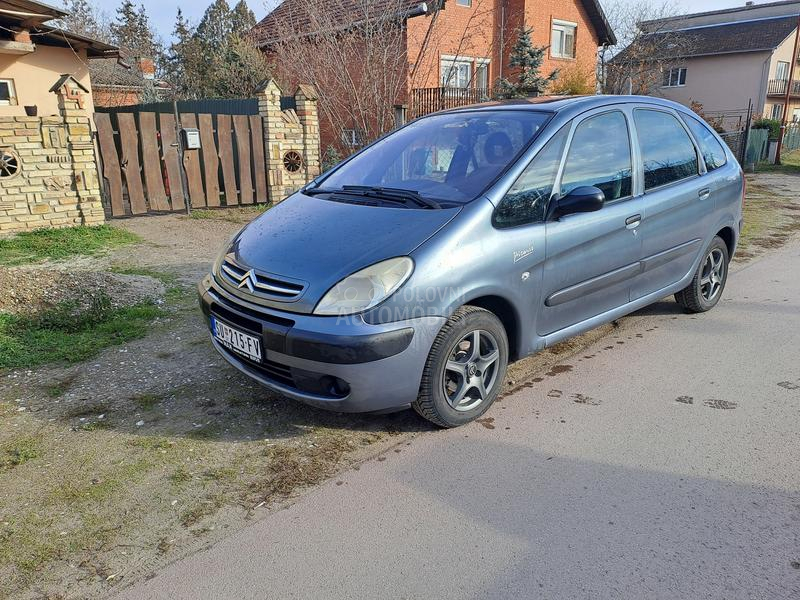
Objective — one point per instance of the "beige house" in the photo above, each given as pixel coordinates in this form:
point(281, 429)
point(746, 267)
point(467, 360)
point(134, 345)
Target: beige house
point(33, 55)
point(726, 58)
point(48, 170)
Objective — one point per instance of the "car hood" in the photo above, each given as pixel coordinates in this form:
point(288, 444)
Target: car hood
point(319, 242)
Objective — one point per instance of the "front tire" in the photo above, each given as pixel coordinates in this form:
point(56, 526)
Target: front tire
point(465, 368)
point(708, 283)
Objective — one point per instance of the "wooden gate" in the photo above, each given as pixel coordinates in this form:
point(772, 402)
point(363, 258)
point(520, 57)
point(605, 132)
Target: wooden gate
point(141, 166)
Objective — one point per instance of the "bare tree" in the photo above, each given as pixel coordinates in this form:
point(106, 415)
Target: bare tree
point(648, 46)
point(354, 54)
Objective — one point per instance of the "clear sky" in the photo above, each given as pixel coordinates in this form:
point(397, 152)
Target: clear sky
point(162, 12)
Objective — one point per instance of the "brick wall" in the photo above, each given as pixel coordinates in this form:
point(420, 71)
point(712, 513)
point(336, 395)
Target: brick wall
point(289, 131)
point(475, 32)
point(56, 184)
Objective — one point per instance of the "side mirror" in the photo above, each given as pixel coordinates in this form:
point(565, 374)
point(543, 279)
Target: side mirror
point(580, 200)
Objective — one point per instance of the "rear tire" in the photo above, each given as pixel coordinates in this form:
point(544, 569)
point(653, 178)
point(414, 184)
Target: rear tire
point(708, 283)
point(465, 368)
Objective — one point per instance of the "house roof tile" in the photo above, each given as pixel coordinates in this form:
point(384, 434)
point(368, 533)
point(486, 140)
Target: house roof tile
point(728, 38)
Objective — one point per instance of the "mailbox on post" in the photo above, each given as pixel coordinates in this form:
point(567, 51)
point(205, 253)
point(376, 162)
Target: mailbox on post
point(191, 139)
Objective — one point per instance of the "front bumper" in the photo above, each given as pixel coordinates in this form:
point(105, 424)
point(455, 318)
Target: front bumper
point(341, 364)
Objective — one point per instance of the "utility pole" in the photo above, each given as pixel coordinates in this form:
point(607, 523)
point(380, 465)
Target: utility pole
point(789, 85)
point(179, 144)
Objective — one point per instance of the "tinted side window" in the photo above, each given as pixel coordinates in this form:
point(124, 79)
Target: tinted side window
point(526, 201)
point(600, 155)
point(667, 151)
point(712, 150)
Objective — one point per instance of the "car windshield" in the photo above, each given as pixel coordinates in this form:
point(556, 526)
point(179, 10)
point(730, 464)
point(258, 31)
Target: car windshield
point(450, 157)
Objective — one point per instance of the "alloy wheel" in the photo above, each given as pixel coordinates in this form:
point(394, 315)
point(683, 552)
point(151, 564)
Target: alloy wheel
point(471, 371)
point(713, 275)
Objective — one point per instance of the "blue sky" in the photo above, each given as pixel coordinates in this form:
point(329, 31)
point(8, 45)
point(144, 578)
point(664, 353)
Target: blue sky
point(162, 12)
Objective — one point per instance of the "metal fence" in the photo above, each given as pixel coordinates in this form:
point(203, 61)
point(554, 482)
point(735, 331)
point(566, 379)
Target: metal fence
point(791, 138)
point(427, 100)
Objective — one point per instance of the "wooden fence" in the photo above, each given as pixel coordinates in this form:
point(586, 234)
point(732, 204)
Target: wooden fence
point(141, 166)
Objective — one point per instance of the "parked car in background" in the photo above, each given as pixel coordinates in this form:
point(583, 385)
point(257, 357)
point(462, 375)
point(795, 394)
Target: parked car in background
point(413, 272)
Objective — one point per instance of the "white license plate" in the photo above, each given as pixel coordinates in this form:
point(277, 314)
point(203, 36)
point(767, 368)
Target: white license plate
point(238, 341)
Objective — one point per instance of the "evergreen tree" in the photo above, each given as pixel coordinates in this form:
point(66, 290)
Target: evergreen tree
point(216, 60)
point(528, 59)
point(131, 31)
point(215, 28)
point(125, 28)
point(242, 19)
point(184, 61)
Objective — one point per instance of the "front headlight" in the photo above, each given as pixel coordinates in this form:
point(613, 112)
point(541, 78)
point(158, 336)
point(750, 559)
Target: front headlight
point(366, 288)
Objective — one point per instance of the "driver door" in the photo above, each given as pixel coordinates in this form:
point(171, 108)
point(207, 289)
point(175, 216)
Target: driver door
point(592, 258)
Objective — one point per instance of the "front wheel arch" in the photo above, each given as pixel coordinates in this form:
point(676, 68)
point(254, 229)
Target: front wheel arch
point(505, 311)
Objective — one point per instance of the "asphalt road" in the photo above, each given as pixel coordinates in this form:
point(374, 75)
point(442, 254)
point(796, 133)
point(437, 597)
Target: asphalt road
point(664, 464)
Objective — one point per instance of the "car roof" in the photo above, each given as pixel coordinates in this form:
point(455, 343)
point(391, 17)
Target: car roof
point(571, 104)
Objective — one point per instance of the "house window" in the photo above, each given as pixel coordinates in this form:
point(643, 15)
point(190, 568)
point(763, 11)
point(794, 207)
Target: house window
point(782, 71)
point(464, 2)
point(675, 77)
point(777, 112)
point(456, 72)
point(353, 138)
point(482, 74)
point(8, 96)
point(562, 40)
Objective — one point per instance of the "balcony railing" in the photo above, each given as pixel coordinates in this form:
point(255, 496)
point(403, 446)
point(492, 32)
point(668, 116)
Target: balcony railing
point(777, 87)
point(427, 100)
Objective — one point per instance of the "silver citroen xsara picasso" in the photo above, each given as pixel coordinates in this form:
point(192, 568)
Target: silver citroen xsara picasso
point(414, 271)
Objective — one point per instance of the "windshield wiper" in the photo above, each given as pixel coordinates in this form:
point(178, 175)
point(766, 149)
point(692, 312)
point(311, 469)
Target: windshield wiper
point(319, 190)
point(391, 194)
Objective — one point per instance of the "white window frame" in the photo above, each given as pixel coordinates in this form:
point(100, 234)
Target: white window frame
point(353, 138)
point(785, 64)
point(777, 112)
point(447, 63)
point(673, 77)
point(12, 101)
point(479, 64)
point(562, 29)
point(464, 3)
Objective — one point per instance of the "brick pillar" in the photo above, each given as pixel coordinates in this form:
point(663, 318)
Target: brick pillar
point(306, 99)
point(80, 146)
point(269, 107)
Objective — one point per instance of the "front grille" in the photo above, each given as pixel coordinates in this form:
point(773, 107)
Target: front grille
point(258, 283)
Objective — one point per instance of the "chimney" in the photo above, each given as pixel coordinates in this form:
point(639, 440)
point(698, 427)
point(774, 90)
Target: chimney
point(22, 36)
point(147, 67)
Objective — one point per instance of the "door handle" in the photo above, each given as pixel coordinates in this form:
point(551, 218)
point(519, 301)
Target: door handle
point(704, 194)
point(633, 222)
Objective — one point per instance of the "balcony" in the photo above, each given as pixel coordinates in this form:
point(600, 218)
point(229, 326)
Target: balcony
point(777, 87)
point(427, 100)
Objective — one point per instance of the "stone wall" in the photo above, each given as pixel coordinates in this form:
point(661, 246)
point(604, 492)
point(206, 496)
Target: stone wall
point(56, 183)
point(287, 132)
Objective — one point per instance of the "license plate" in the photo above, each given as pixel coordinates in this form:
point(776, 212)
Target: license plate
point(238, 341)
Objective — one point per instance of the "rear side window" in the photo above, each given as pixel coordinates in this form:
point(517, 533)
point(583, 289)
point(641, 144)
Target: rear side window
point(668, 153)
point(526, 201)
point(713, 152)
point(600, 156)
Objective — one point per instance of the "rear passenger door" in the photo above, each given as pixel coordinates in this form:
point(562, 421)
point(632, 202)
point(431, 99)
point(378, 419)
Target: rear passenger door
point(678, 200)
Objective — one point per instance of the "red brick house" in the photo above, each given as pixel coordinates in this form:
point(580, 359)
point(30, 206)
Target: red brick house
point(453, 51)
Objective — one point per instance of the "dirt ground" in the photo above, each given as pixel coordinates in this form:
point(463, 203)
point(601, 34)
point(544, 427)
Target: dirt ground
point(156, 448)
